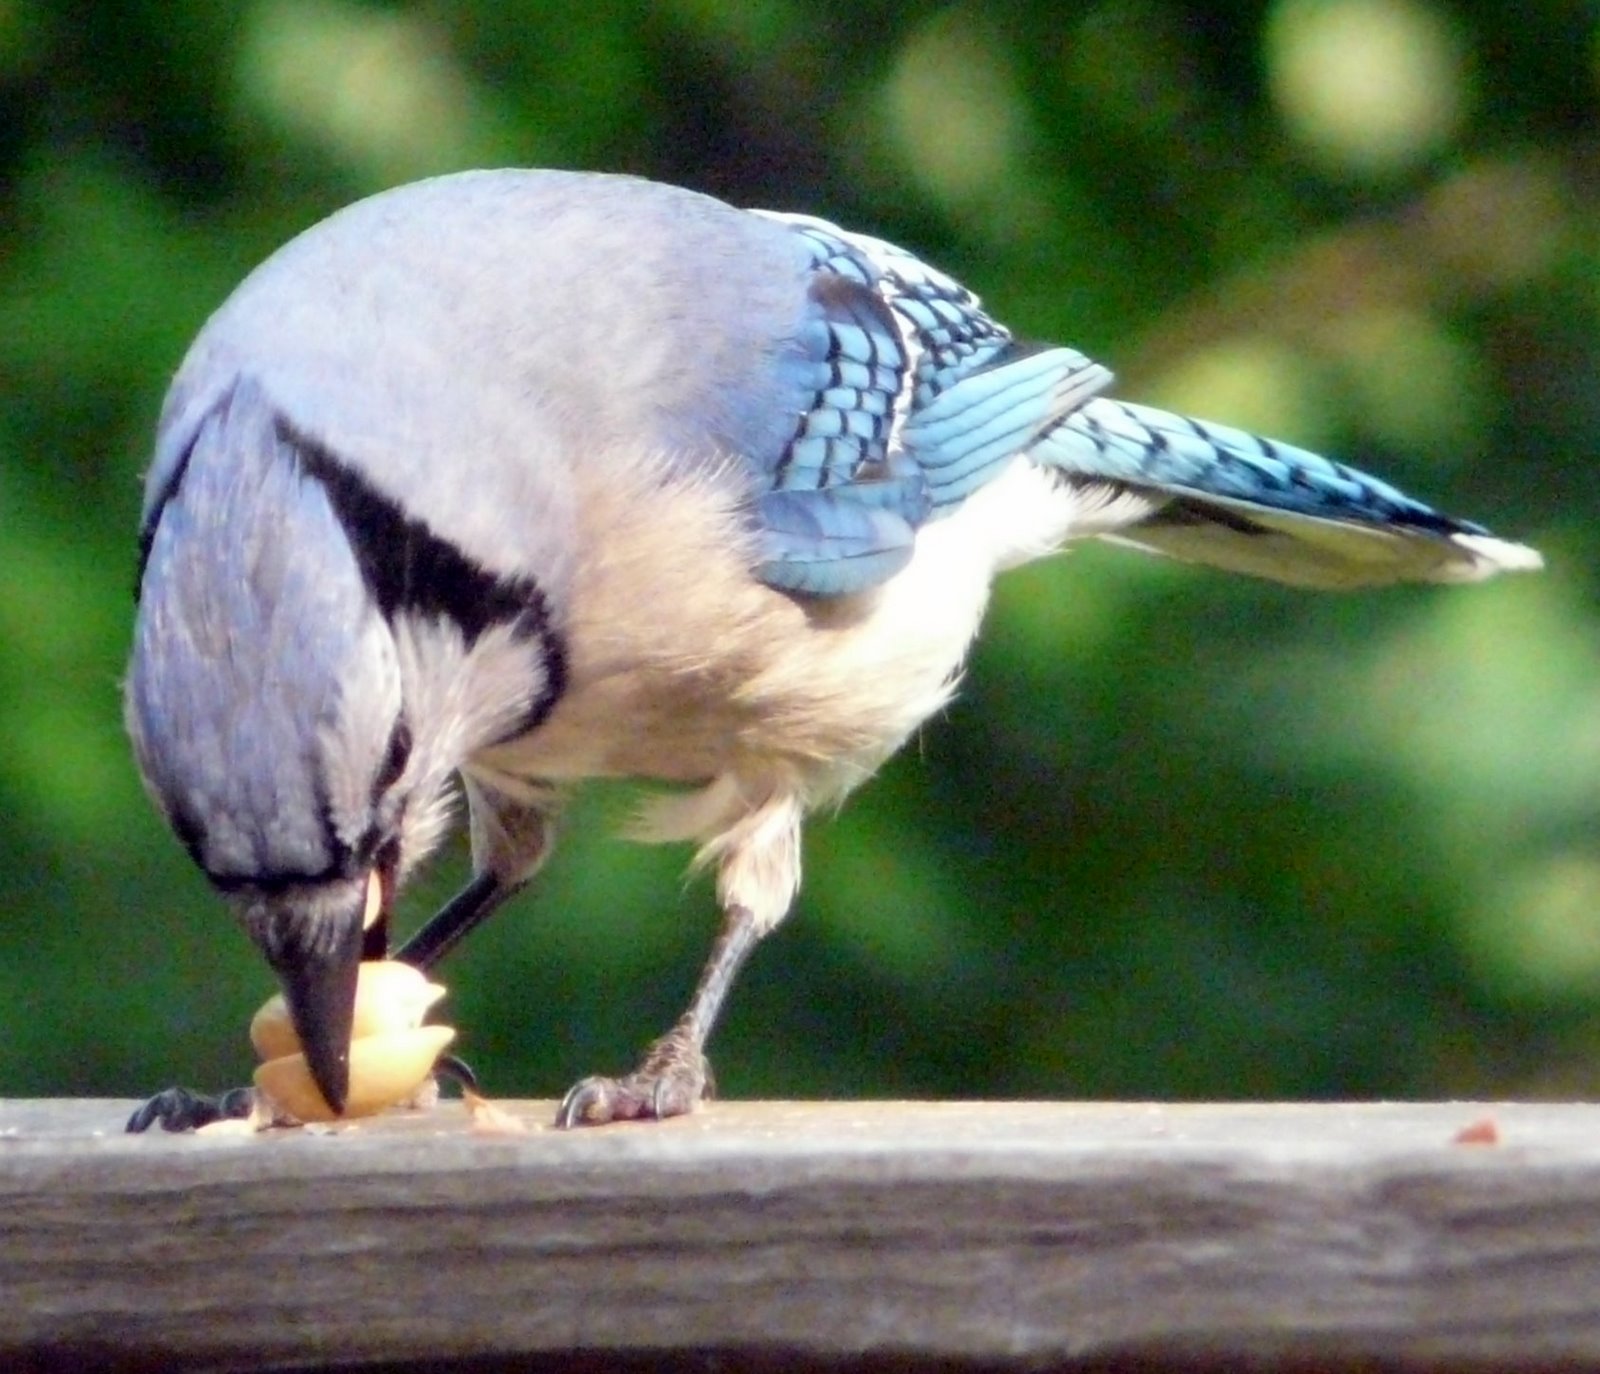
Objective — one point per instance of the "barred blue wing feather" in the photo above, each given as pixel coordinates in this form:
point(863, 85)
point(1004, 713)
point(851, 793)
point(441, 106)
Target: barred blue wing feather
point(980, 421)
point(856, 366)
point(918, 398)
point(843, 505)
point(834, 541)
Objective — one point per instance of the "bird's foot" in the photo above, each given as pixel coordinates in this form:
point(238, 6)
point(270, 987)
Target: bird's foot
point(183, 1109)
point(671, 1081)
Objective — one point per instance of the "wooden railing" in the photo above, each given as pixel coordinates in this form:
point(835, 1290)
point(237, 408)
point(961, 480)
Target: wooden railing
point(812, 1236)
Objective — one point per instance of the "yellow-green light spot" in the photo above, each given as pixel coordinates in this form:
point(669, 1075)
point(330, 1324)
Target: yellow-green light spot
point(1369, 87)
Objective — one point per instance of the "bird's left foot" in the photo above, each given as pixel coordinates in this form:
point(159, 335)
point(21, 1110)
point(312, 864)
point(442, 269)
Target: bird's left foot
point(183, 1109)
point(673, 1079)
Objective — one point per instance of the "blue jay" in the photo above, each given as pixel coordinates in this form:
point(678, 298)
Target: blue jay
point(518, 478)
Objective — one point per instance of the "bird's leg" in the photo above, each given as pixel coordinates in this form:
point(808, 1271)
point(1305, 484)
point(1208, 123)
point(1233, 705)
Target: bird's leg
point(508, 836)
point(456, 919)
point(511, 833)
point(673, 1075)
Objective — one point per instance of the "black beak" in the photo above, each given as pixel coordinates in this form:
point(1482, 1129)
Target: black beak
point(316, 953)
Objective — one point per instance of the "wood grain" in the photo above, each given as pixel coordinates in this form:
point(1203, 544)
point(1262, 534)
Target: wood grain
point(838, 1235)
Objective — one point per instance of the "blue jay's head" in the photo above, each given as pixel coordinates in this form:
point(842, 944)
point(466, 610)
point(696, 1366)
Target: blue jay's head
point(265, 703)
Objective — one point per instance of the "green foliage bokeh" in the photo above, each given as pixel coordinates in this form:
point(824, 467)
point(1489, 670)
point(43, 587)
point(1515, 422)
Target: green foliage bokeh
point(1181, 835)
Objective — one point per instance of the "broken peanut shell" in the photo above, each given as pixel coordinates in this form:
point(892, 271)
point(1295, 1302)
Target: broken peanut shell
point(390, 996)
point(384, 1070)
point(391, 1051)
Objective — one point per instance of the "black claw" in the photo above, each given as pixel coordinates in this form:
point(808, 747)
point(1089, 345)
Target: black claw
point(660, 1099)
point(574, 1105)
point(183, 1109)
point(457, 1071)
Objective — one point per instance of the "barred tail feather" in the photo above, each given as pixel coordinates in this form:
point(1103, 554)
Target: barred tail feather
point(1245, 504)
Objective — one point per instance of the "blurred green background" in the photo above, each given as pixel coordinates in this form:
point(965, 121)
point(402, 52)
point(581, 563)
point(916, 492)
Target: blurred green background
point(1182, 835)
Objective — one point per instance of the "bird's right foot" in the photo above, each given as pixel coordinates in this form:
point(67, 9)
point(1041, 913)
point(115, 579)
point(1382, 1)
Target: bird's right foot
point(183, 1109)
point(672, 1081)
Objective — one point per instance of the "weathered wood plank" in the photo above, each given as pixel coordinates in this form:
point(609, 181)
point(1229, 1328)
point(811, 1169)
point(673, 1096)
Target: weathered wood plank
point(822, 1234)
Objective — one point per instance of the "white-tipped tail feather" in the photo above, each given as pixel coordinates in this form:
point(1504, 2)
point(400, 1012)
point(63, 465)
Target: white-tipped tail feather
point(1315, 552)
point(1487, 556)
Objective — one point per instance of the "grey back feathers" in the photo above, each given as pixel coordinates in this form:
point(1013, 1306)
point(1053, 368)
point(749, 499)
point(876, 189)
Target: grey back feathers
point(545, 314)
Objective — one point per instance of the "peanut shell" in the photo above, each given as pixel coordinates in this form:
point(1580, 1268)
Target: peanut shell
point(390, 996)
point(384, 1070)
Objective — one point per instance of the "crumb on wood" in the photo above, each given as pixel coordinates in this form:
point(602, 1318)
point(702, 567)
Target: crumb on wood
point(488, 1119)
point(1484, 1131)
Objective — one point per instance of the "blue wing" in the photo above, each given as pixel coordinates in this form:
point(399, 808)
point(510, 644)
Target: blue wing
point(843, 504)
point(917, 397)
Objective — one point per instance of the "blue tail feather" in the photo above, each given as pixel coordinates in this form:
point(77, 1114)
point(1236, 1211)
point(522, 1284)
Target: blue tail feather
point(1146, 447)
